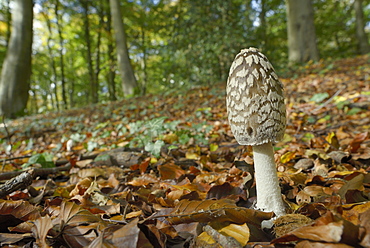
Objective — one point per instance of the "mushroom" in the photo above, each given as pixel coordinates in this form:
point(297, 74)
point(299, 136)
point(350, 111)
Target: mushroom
point(257, 116)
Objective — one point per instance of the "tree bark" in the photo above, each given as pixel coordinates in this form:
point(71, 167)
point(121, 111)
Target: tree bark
point(53, 80)
point(16, 71)
point(262, 29)
point(98, 45)
point(144, 62)
point(127, 74)
point(8, 22)
point(93, 80)
point(111, 74)
point(362, 39)
point(61, 55)
point(301, 31)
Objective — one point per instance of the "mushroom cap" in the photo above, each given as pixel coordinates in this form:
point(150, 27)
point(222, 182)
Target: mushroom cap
point(255, 99)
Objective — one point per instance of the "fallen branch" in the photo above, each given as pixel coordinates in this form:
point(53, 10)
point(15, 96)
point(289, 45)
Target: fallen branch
point(19, 182)
point(14, 158)
point(36, 172)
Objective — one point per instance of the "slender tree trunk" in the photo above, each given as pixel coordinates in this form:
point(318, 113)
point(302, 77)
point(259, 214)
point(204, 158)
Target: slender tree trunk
point(54, 79)
point(144, 65)
point(34, 106)
point(362, 39)
point(98, 45)
point(111, 75)
point(263, 26)
point(93, 80)
point(8, 22)
point(127, 74)
point(301, 31)
point(16, 70)
point(71, 75)
point(61, 55)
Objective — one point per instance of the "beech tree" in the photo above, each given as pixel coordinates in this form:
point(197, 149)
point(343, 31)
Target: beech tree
point(127, 74)
point(301, 31)
point(16, 71)
point(363, 41)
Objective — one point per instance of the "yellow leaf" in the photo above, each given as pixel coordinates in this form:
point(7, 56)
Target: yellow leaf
point(191, 155)
point(134, 214)
point(239, 232)
point(205, 239)
point(331, 138)
point(213, 147)
point(287, 157)
point(61, 191)
point(170, 138)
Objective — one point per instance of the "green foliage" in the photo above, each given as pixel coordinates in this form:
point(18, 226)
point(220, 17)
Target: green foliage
point(319, 97)
point(335, 28)
point(43, 159)
point(172, 44)
point(150, 134)
point(354, 111)
point(145, 132)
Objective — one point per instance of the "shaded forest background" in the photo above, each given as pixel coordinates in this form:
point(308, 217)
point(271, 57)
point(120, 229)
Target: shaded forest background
point(171, 44)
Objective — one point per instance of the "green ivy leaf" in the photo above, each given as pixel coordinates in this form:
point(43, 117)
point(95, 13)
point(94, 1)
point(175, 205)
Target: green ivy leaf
point(154, 148)
point(319, 97)
point(44, 159)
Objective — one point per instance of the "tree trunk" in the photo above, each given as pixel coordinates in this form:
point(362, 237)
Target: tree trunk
point(8, 23)
point(262, 29)
point(98, 45)
point(53, 80)
point(16, 71)
point(144, 63)
point(61, 55)
point(93, 80)
point(111, 75)
point(301, 31)
point(362, 39)
point(127, 74)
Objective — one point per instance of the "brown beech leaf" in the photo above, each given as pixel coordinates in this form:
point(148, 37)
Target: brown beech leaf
point(365, 222)
point(340, 157)
point(328, 229)
point(351, 212)
point(357, 141)
point(76, 224)
point(144, 165)
point(41, 229)
point(22, 210)
point(120, 236)
point(215, 210)
point(226, 190)
point(355, 183)
point(170, 171)
point(312, 244)
point(11, 238)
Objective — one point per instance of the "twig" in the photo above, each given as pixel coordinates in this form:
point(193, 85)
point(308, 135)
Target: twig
point(14, 158)
point(328, 101)
point(37, 172)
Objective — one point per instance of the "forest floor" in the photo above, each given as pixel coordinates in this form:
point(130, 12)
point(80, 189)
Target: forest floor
point(165, 170)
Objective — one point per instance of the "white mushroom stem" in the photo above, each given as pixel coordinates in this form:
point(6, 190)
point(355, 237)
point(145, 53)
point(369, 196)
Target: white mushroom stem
point(268, 190)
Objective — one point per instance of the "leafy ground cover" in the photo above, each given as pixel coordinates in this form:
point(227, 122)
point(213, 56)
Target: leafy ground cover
point(165, 170)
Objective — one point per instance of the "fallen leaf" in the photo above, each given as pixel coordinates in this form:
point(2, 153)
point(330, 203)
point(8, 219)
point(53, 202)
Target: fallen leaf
point(215, 210)
point(41, 229)
point(357, 141)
